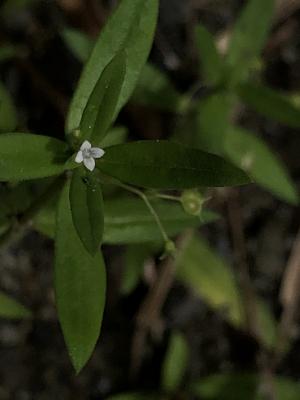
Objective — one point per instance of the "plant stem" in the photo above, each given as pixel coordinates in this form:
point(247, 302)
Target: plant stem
point(148, 204)
point(108, 179)
point(168, 197)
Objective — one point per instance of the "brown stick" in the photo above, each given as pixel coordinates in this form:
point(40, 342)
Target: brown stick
point(289, 297)
point(148, 318)
point(248, 294)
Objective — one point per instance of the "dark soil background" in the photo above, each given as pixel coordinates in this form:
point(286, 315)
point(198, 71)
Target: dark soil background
point(34, 364)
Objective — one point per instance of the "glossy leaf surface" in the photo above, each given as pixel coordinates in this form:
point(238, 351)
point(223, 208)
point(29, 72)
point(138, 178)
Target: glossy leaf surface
point(270, 103)
point(168, 165)
point(26, 156)
point(130, 28)
point(87, 209)
point(250, 153)
point(128, 220)
point(212, 65)
point(249, 37)
point(100, 110)
point(80, 284)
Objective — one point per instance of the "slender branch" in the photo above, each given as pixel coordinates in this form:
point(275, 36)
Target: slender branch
point(289, 298)
point(148, 318)
point(248, 294)
point(168, 197)
point(143, 196)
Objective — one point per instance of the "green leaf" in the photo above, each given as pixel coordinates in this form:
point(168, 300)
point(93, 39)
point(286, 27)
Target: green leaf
point(127, 220)
point(78, 42)
point(246, 386)
point(116, 135)
point(99, 112)
point(251, 154)
point(133, 223)
point(212, 64)
point(87, 209)
point(79, 286)
point(212, 122)
point(10, 308)
point(8, 115)
point(270, 103)
point(175, 363)
point(154, 89)
point(25, 156)
point(168, 165)
point(249, 36)
point(208, 275)
point(130, 28)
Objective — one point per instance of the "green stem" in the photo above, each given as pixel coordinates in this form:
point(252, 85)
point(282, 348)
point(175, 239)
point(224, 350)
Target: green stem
point(149, 205)
point(168, 197)
point(107, 179)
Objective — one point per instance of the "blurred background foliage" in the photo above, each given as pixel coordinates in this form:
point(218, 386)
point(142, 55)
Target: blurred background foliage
point(221, 320)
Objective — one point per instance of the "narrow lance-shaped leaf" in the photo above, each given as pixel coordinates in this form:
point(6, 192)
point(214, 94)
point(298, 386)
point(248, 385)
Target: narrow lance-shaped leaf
point(79, 43)
point(26, 156)
point(246, 386)
point(154, 89)
point(130, 28)
point(10, 308)
point(249, 36)
point(128, 220)
point(79, 286)
point(87, 209)
point(270, 103)
point(211, 61)
point(175, 363)
point(100, 110)
point(116, 135)
point(212, 120)
point(204, 271)
point(168, 165)
point(250, 153)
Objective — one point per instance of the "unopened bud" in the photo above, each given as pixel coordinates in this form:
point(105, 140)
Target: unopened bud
point(192, 202)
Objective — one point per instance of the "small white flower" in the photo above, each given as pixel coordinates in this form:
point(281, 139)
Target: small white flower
point(87, 155)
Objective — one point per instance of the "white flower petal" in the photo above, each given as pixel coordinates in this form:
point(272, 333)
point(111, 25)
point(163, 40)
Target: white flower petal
point(89, 163)
point(85, 145)
point(79, 157)
point(96, 152)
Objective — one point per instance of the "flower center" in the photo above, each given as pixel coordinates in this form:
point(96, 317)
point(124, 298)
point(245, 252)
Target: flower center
point(87, 153)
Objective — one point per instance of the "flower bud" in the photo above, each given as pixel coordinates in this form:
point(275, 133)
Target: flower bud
point(192, 202)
